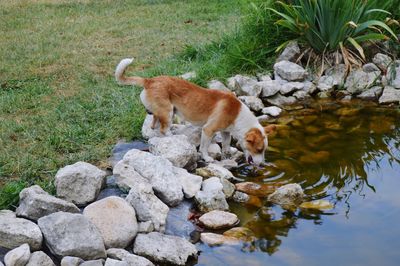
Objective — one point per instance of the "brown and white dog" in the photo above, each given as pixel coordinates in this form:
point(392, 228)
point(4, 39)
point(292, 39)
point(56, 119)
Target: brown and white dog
point(214, 110)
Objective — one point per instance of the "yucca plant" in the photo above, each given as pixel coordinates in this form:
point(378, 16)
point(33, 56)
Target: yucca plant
point(335, 25)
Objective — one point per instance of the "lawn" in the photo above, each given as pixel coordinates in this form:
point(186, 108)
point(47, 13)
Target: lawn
point(59, 102)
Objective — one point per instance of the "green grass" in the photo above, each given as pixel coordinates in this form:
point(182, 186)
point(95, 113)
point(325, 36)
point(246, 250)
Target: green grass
point(59, 102)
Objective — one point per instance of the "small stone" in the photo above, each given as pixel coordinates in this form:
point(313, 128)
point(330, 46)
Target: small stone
point(280, 100)
point(126, 177)
point(130, 259)
point(99, 262)
point(191, 184)
point(211, 197)
point(71, 261)
point(333, 77)
point(254, 103)
point(370, 67)
point(357, 81)
point(147, 131)
point(217, 85)
point(251, 188)
point(39, 258)
point(212, 239)
point(263, 119)
point(145, 227)
point(79, 183)
point(240, 197)
point(393, 77)
point(214, 150)
point(189, 75)
point(264, 76)
point(241, 233)
point(390, 95)
point(218, 219)
point(227, 188)
point(323, 94)
point(269, 87)
point(214, 170)
point(317, 204)
point(18, 256)
point(112, 262)
point(272, 111)
point(290, 71)
point(291, 87)
point(382, 61)
point(287, 195)
point(227, 163)
point(290, 52)
point(301, 95)
point(371, 94)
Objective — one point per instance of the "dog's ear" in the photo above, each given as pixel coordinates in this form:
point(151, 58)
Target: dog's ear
point(250, 137)
point(269, 129)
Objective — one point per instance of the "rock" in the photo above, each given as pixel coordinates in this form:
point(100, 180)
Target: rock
point(263, 76)
point(192, 132)
point(287, 195)
point(218, 219)
point(371, 94)
point(390, 95)
point(112, 262)
point(70, 234)
point(212, 239)
point(253, 102)
point(35, 203)
point(243, 85)
point(227, 163)
point(290, 53)
point(323, 94)
point(115, 219)
point(263, 119)
point(290, 71)
point(358, 80)
point(393, 77)
point(164, 248)
point(131, 259)
point(227, 187)
point(272, 111)
point(212, 183)
point(317, 204)
point(240, 197)
point(333, 77)
point(71, 261)
point(18, 256)
point(280, 100)
point(191, 184)
point(214, 150)
point(370, 67)
point(269, 87)
point(259, 190)
point(301, 95)
point(241, 233)
point(147, 206)
point(214, 170)
point(126, 177)
point(39, 258)
point(290, 87)
point(93, 263)
point(79, 183)
point(177, 149)
point(159, 172)
point(189, 75)
point(382, 61)
point(211, 197)
point(147, 131)
point(17, 231)
point(217, 85)
point(145, 227)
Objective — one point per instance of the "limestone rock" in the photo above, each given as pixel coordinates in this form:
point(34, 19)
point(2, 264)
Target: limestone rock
point(290, 52)
point(393, 77)
point(280, 100)
point(211, 197)
point(191, 184)
point(126, 177)
point(177, 149)
point(290, 71)
point(214, 150)
point(147, 131)
point(71, 261)
point(17, 231)
point(217, 85)
point(99, 262)
point(147, 206)
point(35, 203)
point(358, 80)
point(214, 170)
point(212, 239)
point(317, 204)
point(227, 187)
point(145, 227)
point(112, 262)
point(164, 248)
point(189, 75)
point(287, 195)
point(244, 86)
point(219, 219)
point(371, 94)
point(254, 103)
point(227, 164)
point(115, 219)
point(272, 111)
point(240, 197)
point(241, 233)
point(390, 95)
point(79, 183)
point(382, 61)
point(39, 258)
point(290, 87)
point(129, 258)
point(333, 77)
point(301, 95)
point(269, 87)
point(69, 234)
point(18, 256)
point(370, 67)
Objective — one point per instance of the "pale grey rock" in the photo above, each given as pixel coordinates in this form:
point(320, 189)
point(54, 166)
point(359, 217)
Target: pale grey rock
point(269, 87)
point(287, 195)
point(191, 183)
point(17, 231)
point(240, 197)
point(382, 61)
point(35, 203)
point(217, 85)
point(39, 258)
point(211, 197)
point(115, 219)
point(371, 94)
point(159, 172)
point(280, 100)
point(279, 79)
point(290, 52)
point(236, 155)
point(309, 87)
point(79, 183)
point(358, 81)
point(177, 149)
point(218, 219)
point(192, 132)
point(71, 261)
point(390, 95)
point(370, 67)
point(131, 259)
point(70, 234)
point(393, 77)
point(333, 78)
point(323, 94)
point(147, 206)
point(164, 248)
point(99, 262)
point(213, 239)
point(290, 87)
point(301, 95)
point(112, 262)
point(253, 102)
point(244, 86)
point(290, 71)
point(18, 256)
point(211, 184)
point(227, 187)
point(126, 177)
point(189, 75)
point(147, 131)
point(272, 111)
point(145, 227)
point(214, 150)
point(264, 77)
point(214, 170)
point(227, 163)
point(263, 119)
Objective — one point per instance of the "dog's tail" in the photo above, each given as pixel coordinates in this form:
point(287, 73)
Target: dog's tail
point(121, 79)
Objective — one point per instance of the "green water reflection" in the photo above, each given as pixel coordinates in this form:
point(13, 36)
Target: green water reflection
point(348, 154)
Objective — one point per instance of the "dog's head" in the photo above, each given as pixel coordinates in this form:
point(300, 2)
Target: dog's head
point(255, 144)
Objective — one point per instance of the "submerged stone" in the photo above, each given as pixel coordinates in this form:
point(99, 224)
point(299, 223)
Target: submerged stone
point(317, 204)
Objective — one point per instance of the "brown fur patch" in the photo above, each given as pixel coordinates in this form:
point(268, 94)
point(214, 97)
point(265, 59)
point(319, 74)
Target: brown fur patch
point(255, 141)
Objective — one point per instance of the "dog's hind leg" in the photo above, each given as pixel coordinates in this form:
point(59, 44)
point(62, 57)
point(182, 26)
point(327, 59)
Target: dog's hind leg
point(154, 122)
point(226, 144)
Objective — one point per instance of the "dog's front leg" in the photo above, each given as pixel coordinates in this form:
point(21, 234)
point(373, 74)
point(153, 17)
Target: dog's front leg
point(226, 144)
point(204, 144)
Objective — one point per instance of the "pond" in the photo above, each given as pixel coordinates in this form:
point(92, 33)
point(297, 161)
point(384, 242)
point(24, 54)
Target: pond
point(346, 153)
